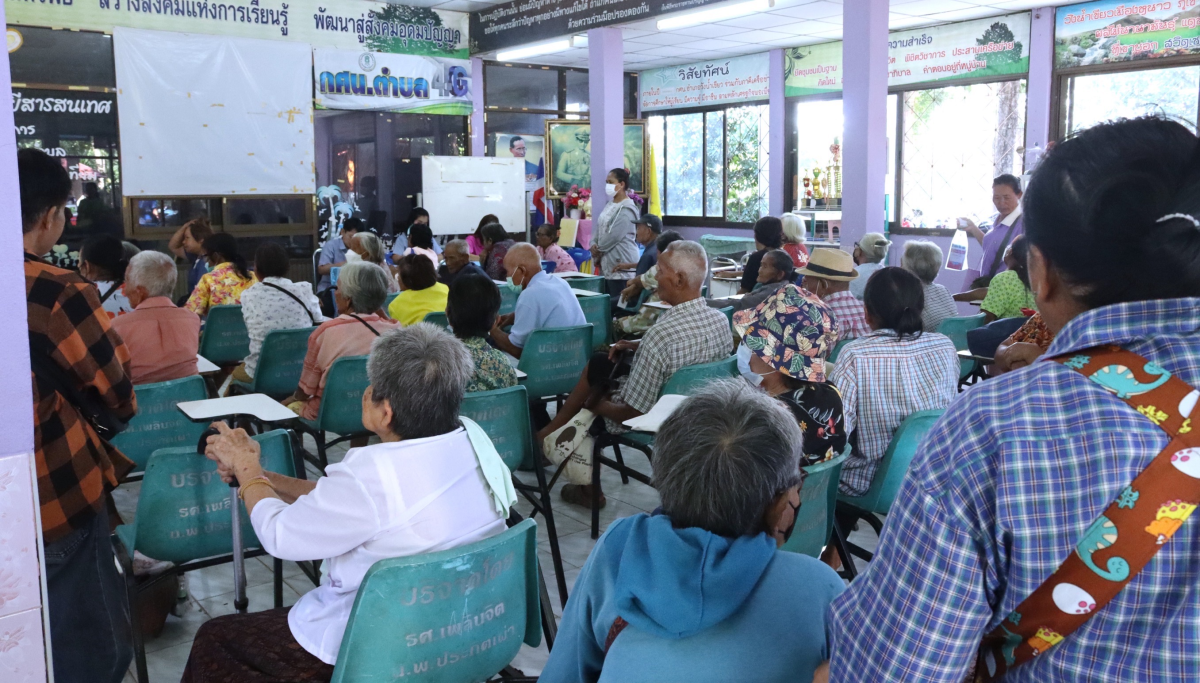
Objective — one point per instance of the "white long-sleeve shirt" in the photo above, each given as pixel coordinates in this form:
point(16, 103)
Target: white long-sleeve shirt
point(382, 501)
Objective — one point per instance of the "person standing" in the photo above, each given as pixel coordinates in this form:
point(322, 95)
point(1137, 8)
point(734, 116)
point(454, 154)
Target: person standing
point(614, 229)
point(74, 353)
point(188, 243)
point(1007, 225)
point(91, 208)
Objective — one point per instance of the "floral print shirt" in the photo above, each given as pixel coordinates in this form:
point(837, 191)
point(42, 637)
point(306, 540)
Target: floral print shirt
point(221, 286)
point(492, 369)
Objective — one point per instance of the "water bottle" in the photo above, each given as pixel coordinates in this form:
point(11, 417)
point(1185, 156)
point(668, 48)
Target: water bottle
point(957, 260)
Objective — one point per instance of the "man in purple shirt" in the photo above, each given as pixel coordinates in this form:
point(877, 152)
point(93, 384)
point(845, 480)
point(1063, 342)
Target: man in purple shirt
point(1007, 225)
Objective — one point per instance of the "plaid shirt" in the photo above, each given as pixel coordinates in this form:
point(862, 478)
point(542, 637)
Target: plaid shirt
point(1002, 489)
point(75, 467)
point(849, 314)
point(884, 380)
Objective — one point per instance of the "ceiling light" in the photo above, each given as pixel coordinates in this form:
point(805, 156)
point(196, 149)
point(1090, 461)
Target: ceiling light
point(716, 14)
point(579, 41)
point(534, 50)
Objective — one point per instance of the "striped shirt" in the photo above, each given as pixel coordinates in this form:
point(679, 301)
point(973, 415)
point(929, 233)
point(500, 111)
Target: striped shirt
point(998, 495)
point(939, 305)
point(884, 380)
point(849, 314)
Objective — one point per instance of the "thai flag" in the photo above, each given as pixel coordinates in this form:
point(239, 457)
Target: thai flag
point(543, 207)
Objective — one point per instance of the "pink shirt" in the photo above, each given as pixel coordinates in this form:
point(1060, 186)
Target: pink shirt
point(474, 246)
point(563, 263)
point(162, 340)
point(342, 336)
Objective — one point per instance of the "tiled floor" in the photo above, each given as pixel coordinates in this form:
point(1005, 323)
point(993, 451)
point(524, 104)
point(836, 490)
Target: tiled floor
point(210, 591)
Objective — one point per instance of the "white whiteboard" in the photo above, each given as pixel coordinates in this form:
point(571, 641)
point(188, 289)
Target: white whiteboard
point(458, 191)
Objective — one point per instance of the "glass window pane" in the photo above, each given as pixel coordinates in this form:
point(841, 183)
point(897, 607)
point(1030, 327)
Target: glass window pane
point(512, 86)
point(956, 140)
point(517, 124)
point(172, 213)
point(819, 125)
point(747, 169)
point(265, 211)
point(1103, 97)
point(685, 164)
point(714, 164)
point(63, 58)
point(577, 91)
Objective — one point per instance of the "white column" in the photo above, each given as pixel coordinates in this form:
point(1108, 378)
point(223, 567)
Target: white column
point(478, 142)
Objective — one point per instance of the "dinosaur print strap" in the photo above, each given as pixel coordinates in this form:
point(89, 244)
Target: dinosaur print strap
point(1132, 529)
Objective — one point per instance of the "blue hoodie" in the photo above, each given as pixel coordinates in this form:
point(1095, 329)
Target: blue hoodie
point(700, 607)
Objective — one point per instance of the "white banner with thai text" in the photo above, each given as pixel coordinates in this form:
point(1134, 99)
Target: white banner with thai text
point(722, 81)
point(377, 81)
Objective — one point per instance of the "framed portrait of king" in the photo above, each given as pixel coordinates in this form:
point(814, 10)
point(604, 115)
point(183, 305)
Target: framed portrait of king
point(569, 155)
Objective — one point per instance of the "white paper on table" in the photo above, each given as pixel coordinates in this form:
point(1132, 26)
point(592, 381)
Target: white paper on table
point(651, 421)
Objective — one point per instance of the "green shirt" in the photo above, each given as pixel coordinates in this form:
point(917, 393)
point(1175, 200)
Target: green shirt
point(492, 369)
point(1006, 296)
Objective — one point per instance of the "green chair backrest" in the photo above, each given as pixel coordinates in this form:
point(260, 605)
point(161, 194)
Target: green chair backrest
point(341, 400)
point(818, 497)
point(837, 350)
point(504, 415)
point(642, 299)
point(183, 507)
point(688, 379)
point(728, 311)
point(594, 283)
point(281, 362)
point(225, 339)
point(894, 465)
point(454, 615)
point(597, 310)
point(387, 302)
point(554, 359)
point(438, 318)
point(956, 329)
point(158, 423)
point(508, 298)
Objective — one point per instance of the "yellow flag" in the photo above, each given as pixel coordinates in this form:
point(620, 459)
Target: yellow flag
point(652, 187)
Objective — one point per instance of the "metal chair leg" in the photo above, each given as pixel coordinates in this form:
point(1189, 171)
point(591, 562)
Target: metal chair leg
point(319, 437)
point(849, 572)
point(549, 623)
point(551, 531)
point(125, 557)
point(597, 449)
point(621, 462)
point(278, 566)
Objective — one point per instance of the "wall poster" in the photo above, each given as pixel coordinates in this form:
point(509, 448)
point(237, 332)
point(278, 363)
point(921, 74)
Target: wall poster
point(1108, 32)
point(379, 81)
point(721, 81)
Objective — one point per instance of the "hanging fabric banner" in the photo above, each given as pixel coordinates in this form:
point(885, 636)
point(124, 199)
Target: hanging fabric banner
point(376, 81)
point(1108, 32)
point(723, 81)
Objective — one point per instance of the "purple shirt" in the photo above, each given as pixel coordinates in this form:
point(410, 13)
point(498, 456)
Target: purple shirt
point(991, 245)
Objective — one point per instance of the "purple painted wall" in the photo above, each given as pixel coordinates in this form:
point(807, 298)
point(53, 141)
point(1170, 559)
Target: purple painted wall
point(606, 103)
point(1041, 79)
point(777, 125)
point(864, 94)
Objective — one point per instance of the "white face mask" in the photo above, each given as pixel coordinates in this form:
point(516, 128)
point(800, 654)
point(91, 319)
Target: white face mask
point(743, 363)
point(610, 190)
point(353, 257)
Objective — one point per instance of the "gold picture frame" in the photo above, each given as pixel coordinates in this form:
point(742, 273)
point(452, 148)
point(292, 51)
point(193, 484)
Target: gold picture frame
point(569, 155)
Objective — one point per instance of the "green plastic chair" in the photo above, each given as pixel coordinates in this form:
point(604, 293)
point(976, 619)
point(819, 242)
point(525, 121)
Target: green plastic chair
point(818, 499)
point(504, 415)
point(183, 516)
point(728, 311)
point(888, 477)
point(688, 379)
point(455, 615)
point(159, 423)
point(554, 359)
point(341, 407)
point(592, 283)
point(280, 364)
point(837, 350)
point(956, 329)
point(225, 340)
point(597, 310)
point(508, 298)
point(438, 318)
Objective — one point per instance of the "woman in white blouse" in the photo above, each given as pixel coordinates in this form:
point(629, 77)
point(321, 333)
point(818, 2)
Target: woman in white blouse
point(274, 303)
point(432, 484)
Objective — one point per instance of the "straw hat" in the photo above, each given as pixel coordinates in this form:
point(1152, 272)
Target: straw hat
point(792, 331)
point(831, 264)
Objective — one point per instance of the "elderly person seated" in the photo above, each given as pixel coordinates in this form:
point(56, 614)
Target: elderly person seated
point(548, 250)
point(458, 262)
point(162, 338)
point(785, 342)
point(471, 311)
point(420, 292)
point(366, 246)
point(775, 272)
point(794, 238)
point(869, 255)
point(829, 274)
point(701, 591)
point(689, 333)
point(360, 292)
point(924, 259)
point(635, 325)
point(647, 230)
point(451, 490)
point(545, 301)
point(274, 303)
point(496, 243)
point(768, 235)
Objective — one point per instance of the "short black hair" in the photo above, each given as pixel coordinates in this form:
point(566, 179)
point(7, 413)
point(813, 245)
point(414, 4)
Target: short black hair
point(416, 213)
point(45, 185)
point(664, 240)
point(352, 224)
point(1020, 252)
point(1111, 209)
point(768, 231)
point(106, 253)
point(514, 140)
point(1010, 180)
point(271, 260)
point(895, 298)
point(622, 177)
point(494, 232)
point(781, 261)
point(417, 272)
point(472, 305)
point(420, 236)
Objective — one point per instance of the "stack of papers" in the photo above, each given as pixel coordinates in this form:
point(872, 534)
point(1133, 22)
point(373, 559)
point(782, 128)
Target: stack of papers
point(651, 421)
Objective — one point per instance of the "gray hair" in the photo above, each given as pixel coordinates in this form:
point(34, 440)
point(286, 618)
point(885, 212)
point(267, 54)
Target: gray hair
point(793, 228)
point(364, 284)
point(723, 456)
point(153, 270)
point(371, 244)
point(689, 258)
point(457, 245)
point(422, 371)
point(923, 259)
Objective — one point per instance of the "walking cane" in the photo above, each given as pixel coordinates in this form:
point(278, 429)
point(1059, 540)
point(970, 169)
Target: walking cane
point(240, 602)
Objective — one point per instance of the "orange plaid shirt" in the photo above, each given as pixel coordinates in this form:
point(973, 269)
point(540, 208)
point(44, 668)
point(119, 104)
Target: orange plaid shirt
point(75, 468)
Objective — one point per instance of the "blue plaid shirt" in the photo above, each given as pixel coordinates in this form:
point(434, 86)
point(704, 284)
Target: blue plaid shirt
point(1002, 488)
